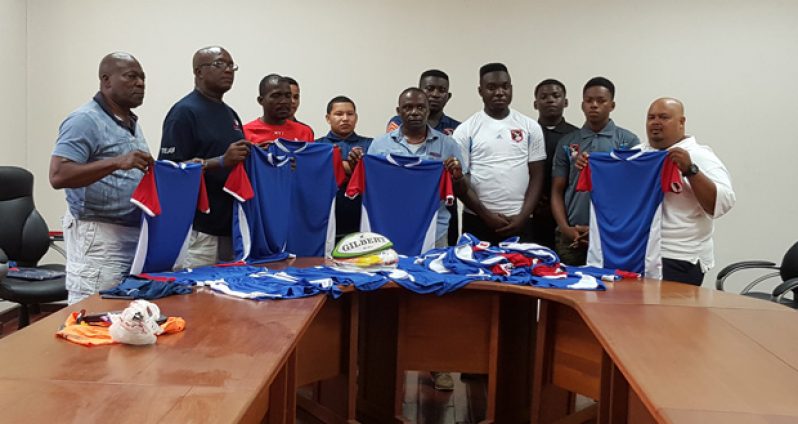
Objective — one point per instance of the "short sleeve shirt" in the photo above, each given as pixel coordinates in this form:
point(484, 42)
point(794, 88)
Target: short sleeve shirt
point(258, 131)
point(496, 154)
point(198, 127)
point(446, 125)
point(577, 204)
point(91, 133)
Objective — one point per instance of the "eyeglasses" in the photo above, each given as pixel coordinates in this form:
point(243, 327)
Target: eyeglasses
point(221, 65)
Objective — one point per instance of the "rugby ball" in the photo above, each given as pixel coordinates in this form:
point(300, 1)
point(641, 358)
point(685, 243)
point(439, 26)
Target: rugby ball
point(360, 244)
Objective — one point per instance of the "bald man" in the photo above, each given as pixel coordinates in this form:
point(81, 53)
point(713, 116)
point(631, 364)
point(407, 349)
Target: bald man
point(202, 128)
point(687, 217)
point(99, 158)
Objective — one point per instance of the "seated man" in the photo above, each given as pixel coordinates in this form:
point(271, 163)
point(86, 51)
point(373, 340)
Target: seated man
point(275, 98)
point(342, 117)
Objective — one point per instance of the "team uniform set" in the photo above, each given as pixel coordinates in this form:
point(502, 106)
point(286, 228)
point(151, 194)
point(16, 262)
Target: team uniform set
point(284, 206)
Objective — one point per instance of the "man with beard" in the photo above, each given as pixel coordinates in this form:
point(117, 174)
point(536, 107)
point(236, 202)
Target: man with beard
point(202, 128)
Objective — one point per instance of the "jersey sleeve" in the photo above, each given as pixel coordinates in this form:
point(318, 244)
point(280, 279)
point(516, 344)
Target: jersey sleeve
point(178, 139)
point(447, 192)
point(203, 205)
point(238, 184)
point(585, 182)
point(357, 184)
point(146, 194)
point(338, 167)
point(671, 177)
point(463, 138)
point(393, 124)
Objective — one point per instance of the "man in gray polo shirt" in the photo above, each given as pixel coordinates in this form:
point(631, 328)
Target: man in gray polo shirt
point(571, 209)
point(99, 158)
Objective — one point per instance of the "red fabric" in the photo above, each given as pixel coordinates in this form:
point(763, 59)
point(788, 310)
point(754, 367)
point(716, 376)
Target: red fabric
point(258, 131)
point(447, 192)
point(202, 201)
point(145, 276)
point(146, 194)
point(585, 182)
point(548, 271)
point(229, 264)
point(338, 167)
point(518, 259)
point(238, 184)
point(627, 274)
point(671, 177)
point(357, 184)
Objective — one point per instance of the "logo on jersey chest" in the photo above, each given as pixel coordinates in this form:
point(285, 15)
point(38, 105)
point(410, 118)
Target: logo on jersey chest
point(517, 135)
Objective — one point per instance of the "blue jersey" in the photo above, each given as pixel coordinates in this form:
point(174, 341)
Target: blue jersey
point(285, 201)
point(626, 191)
point(168, 194)
point(401, 196)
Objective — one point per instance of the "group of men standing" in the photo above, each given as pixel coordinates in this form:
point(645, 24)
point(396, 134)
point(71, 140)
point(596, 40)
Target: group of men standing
point(515, 175)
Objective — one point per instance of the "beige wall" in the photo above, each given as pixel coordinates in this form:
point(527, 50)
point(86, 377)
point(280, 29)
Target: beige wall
point(12, 75)
point(732, 62)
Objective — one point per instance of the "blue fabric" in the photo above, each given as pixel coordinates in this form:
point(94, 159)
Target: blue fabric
point(626, 194)
point(401, 199)
point(294, 185)
point(90, 134)
point(198, 127)
point(163, 236)
point(137, 288)
point(437, 146)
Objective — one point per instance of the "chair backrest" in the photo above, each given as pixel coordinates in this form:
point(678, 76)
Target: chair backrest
point(789, 265)
point(23, 232)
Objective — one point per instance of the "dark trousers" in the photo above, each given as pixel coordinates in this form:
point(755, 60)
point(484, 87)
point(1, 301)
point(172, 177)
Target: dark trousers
point(472, 224)
point(682, 271)
point(454, 221)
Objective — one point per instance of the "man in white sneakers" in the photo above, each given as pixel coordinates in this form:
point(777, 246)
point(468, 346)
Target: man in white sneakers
point(503, 156)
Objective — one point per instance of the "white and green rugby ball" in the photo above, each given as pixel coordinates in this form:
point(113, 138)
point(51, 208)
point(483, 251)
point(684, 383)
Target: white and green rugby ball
point(360, 244)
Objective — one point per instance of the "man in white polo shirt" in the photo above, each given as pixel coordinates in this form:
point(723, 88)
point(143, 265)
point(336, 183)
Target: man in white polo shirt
point(687, 217)
point(503, 155)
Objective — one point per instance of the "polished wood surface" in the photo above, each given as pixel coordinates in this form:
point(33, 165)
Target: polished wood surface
point(648, 351)
point(232, 361)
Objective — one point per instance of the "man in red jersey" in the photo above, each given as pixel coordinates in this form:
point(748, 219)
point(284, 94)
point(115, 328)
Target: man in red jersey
point(275, 98)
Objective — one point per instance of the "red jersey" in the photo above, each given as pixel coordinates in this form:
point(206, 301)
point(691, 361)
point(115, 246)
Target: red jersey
point(258, 131)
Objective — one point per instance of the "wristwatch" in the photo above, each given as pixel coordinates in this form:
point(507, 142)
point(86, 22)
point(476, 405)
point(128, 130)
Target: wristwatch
point(692, 170)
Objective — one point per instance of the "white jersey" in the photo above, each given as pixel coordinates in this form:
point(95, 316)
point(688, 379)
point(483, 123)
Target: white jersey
point(496, 154)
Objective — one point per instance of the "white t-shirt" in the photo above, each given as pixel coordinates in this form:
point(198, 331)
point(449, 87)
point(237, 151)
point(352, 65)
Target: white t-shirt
point(686, 228)
point(496, 153)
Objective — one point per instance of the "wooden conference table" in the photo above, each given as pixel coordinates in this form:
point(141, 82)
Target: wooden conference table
point(647, 351)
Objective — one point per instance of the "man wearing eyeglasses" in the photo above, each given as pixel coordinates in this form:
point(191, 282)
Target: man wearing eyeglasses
point(202, 128)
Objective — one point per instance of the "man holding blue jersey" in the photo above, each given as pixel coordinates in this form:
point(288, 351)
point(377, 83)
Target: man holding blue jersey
point(414, 137)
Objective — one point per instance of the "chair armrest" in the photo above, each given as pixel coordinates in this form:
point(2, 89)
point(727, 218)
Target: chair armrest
point(738, 266)
point(784, 288)
point(54, 237)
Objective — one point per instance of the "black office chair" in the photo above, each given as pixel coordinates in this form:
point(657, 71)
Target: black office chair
point(24, 238)
point(788, 271)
